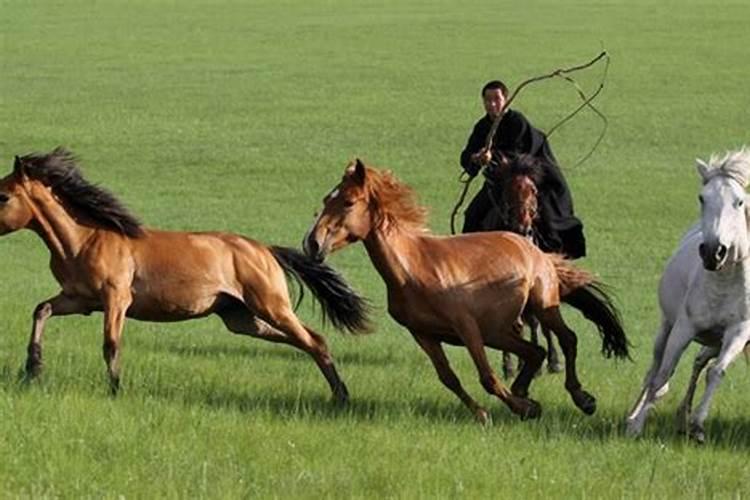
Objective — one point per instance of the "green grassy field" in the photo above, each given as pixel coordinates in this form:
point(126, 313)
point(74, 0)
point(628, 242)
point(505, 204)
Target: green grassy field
point(240, 116)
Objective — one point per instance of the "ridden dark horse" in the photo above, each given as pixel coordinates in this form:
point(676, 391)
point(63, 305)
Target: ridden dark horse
point(468, 290)
point(105, 260)
point(515, 207)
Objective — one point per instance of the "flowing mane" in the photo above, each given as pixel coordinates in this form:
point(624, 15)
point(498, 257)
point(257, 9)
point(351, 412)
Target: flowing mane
point(527, 165)
point(395, 201)
point(733, 164)
point(59, 171)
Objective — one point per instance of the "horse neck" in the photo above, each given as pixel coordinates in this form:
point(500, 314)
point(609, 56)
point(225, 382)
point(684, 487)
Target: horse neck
point(54, 224)
point(390, 247)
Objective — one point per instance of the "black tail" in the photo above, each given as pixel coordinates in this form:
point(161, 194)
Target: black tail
point(340, 303)
point(597, 306)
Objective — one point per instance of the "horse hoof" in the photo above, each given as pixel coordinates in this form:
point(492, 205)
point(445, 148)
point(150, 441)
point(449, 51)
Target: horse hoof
point(341, 397)
point(554, 367)
point(483, 417)
point(585, 402)
point(530, 410)
point(697, 434)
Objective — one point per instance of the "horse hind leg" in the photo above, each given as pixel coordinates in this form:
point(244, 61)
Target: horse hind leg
point(552, 319)
point(553, 359)
point(287, 329)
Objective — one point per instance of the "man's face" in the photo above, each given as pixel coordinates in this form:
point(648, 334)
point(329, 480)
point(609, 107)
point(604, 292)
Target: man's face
point(494, 100)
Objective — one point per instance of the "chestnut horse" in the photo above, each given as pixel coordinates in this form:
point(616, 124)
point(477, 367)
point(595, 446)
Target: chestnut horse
point(105, 260)
point(468, 290)
point(514, 195)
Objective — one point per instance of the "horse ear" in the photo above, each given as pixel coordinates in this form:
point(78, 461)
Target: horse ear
point(18, 167)
point(702, 168)
point(359, 172)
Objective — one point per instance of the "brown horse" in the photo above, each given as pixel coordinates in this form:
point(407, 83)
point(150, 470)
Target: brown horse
point(105, 260)
point(516, 208)
point(468, 290)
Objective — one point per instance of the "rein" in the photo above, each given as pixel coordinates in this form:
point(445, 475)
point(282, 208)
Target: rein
point(563, 73)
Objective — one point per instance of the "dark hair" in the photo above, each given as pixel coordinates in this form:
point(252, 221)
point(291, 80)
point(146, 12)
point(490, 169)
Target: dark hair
point(495, 84)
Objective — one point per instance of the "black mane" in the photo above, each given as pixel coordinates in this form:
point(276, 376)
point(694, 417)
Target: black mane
point(527, 165)
point(59, 171)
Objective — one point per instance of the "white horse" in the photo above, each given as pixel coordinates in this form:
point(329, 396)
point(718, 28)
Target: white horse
point(704, 293)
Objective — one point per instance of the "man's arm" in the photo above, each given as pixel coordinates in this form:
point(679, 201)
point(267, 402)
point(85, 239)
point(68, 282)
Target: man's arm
point(474, 145)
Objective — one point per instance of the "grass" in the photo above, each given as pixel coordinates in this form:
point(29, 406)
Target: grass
point(241, 116)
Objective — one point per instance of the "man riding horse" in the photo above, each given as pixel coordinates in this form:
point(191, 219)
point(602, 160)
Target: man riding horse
point(558, 229)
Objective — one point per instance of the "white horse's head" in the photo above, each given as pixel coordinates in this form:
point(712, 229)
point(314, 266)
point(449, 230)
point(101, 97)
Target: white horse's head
point(724, 211)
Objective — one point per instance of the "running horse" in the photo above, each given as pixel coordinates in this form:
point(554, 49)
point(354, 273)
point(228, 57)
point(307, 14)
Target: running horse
point(468, 290)
point(515, 207)
point(105, 260)
point(704, 295)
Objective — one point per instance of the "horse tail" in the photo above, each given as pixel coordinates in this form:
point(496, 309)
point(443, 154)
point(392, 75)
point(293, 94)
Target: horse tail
point(581, 290)
point(339, 302)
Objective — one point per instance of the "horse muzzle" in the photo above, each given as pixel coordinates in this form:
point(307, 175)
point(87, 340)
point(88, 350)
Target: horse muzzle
point(714, 256)
point(312, 249)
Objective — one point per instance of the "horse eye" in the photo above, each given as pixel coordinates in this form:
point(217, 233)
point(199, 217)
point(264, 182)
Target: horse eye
point(700, 199)
point(4, 198)
point(740, 203)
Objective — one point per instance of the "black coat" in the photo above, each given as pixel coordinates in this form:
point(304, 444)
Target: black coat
point(559, 229)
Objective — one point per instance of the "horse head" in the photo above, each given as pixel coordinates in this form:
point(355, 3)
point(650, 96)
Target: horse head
point(724, 213)
point(345, 217)
point(523, 207)
point(15, 211)
point(517, 178)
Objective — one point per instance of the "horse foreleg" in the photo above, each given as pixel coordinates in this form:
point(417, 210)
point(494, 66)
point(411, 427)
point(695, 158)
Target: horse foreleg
point(660, 343)
point(447, 376)
point(471, 336)
point(552, 319)
point(701, 360)
point(732, 345)
point(58, 305)
point(116, 302)
point(678, 339)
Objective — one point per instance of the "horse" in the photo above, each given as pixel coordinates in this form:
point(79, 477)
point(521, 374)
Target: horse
point(105, 260)
point(468, 290)
point(704, 294)
point(515, 207)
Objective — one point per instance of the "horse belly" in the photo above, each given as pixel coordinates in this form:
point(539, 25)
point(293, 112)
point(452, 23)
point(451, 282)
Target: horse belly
point(167, 301)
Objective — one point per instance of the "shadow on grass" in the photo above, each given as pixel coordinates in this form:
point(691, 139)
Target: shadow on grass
point(262, 349)
point(557, 420)
point(721, 433)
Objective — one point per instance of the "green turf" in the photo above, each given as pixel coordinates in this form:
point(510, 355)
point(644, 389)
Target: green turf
point(241, 116)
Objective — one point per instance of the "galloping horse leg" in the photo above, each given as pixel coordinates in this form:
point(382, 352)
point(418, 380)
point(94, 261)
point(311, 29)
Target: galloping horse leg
point(116, 302)
point(58, 305)
point(701, 360)
point(552, 319)
point(472, 339)
point(553, 360)
point(732, 345)
point(239, 319)
point(532, 355)
point(448, 377)
point(659, 344)
point(677, 340)
point(507, 366)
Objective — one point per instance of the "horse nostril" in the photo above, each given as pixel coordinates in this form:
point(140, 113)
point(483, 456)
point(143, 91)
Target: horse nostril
point(702, 250)
point(721, 252)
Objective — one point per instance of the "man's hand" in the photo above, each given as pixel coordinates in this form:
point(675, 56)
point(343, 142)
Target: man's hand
point(482, 157)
